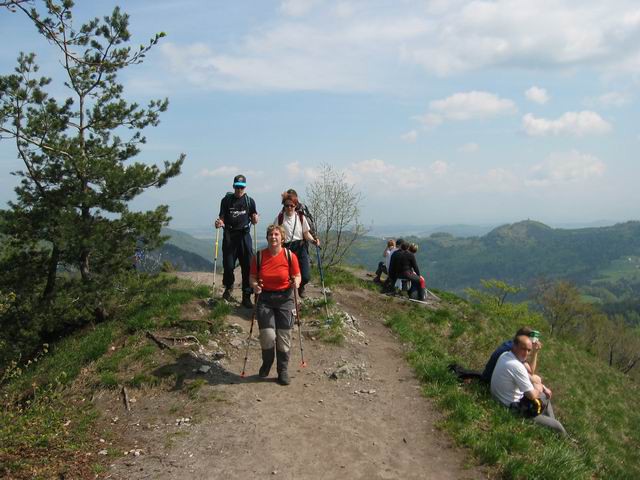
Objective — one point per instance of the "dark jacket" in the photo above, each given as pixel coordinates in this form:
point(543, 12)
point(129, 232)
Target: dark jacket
point(402, 261)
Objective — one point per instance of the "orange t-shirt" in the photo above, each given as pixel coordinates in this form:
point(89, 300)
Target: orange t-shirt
point(274, 271)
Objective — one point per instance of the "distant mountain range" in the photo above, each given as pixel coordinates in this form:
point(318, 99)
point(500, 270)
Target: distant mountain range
point(595, 258)
point(517, 253)
point(418, 230)
point(185, 261)
point(184, 241)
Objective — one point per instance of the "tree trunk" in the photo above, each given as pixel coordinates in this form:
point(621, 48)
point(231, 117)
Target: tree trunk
point(51, 274)
point(84, 266)
point(85, 252)
point(610, 355)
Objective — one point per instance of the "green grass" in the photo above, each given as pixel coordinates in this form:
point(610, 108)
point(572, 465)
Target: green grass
point(596, 404)
point(44, 421)
point(332, 330)
point(315, 308)
point(342, 275)
point(193, 388)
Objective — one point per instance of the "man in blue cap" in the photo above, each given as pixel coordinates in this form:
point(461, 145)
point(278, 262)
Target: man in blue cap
point(237, 213)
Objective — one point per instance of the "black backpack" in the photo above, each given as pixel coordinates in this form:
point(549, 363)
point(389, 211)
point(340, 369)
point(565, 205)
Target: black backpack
point(229, 196)
point(305, 211)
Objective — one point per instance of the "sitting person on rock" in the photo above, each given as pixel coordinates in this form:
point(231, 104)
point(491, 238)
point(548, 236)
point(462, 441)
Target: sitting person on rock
point(403, 266)
point(383, 266)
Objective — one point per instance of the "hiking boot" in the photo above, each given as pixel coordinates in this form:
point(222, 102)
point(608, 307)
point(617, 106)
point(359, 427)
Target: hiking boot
point(283, 367)
point(227, 295)
point(267, 361)
point(246, 300)
point(377, 280)
point(301, 293)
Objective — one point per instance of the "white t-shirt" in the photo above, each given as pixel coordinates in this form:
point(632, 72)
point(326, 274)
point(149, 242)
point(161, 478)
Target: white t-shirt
point(510, 379)
point(292, 227)
point(387, 259)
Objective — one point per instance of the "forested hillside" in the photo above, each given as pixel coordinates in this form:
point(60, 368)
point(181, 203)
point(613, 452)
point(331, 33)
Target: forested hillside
point(184, 241)
point(601, 260)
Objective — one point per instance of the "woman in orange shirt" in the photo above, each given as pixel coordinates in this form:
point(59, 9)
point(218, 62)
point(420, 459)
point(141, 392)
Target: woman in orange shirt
point(273, 283)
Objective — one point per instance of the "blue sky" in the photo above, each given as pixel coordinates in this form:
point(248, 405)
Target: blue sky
point(438, 111)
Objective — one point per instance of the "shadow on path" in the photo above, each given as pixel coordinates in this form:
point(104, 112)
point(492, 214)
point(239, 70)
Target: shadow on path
point(187, 367)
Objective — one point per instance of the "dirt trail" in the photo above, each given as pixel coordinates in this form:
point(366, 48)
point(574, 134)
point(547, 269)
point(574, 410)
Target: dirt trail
point(317, 427)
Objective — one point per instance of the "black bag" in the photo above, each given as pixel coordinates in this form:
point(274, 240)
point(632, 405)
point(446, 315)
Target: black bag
point(530, 408)
point(463, 373)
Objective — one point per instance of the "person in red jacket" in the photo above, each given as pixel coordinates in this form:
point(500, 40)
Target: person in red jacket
point(274, 274)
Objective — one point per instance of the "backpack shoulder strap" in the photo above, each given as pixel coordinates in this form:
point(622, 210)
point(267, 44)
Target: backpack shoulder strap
point(226, 200)
point(287, 253)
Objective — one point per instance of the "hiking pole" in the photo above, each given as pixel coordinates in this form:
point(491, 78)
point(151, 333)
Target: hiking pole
point(246, 353)
point(255, 240)
point(303, 364)
point(215, 263)
point(324, 291)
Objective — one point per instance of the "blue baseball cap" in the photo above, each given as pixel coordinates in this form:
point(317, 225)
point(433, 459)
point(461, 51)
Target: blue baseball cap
point(239, 181)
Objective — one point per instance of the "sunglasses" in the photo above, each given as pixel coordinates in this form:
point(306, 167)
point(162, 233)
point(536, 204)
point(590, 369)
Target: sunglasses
point(289, 205)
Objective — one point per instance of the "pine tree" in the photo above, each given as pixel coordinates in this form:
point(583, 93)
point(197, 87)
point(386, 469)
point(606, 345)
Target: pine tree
point(72, 203)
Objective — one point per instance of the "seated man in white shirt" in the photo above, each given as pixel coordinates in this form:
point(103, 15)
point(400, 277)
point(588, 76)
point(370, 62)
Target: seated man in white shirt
point(511, 382)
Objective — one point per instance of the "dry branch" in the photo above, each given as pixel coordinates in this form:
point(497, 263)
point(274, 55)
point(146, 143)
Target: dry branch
point(125, 398)
point(158, 342)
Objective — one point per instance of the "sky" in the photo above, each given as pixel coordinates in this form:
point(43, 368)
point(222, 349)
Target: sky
point(438, 112)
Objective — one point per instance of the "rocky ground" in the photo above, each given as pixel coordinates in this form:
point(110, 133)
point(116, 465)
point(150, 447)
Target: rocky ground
point(355, 411)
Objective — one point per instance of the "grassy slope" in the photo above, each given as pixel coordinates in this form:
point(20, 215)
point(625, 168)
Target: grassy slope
point(46, 424)
point(596, 404)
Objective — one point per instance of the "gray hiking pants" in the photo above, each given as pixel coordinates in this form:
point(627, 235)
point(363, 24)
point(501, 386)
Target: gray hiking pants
point(275, 319)
point(548, 419)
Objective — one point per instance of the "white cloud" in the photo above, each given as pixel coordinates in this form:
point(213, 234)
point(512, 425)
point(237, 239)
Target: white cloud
point(566, 167)
point(294, 69)
point(439, 168)
point(497, 180)
point(472, 105)
point(388, 179)
point(297, 8)
point(344, 10)
point(229, 171)
point(429, 120)
point(610, 100)
point(570, 123)
point(353, 46)
point(223, 171)
point(464, 106)
point(537, 95)
point(410, 137)
point(296, 172)
point(535, 33)
point(469, 148)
